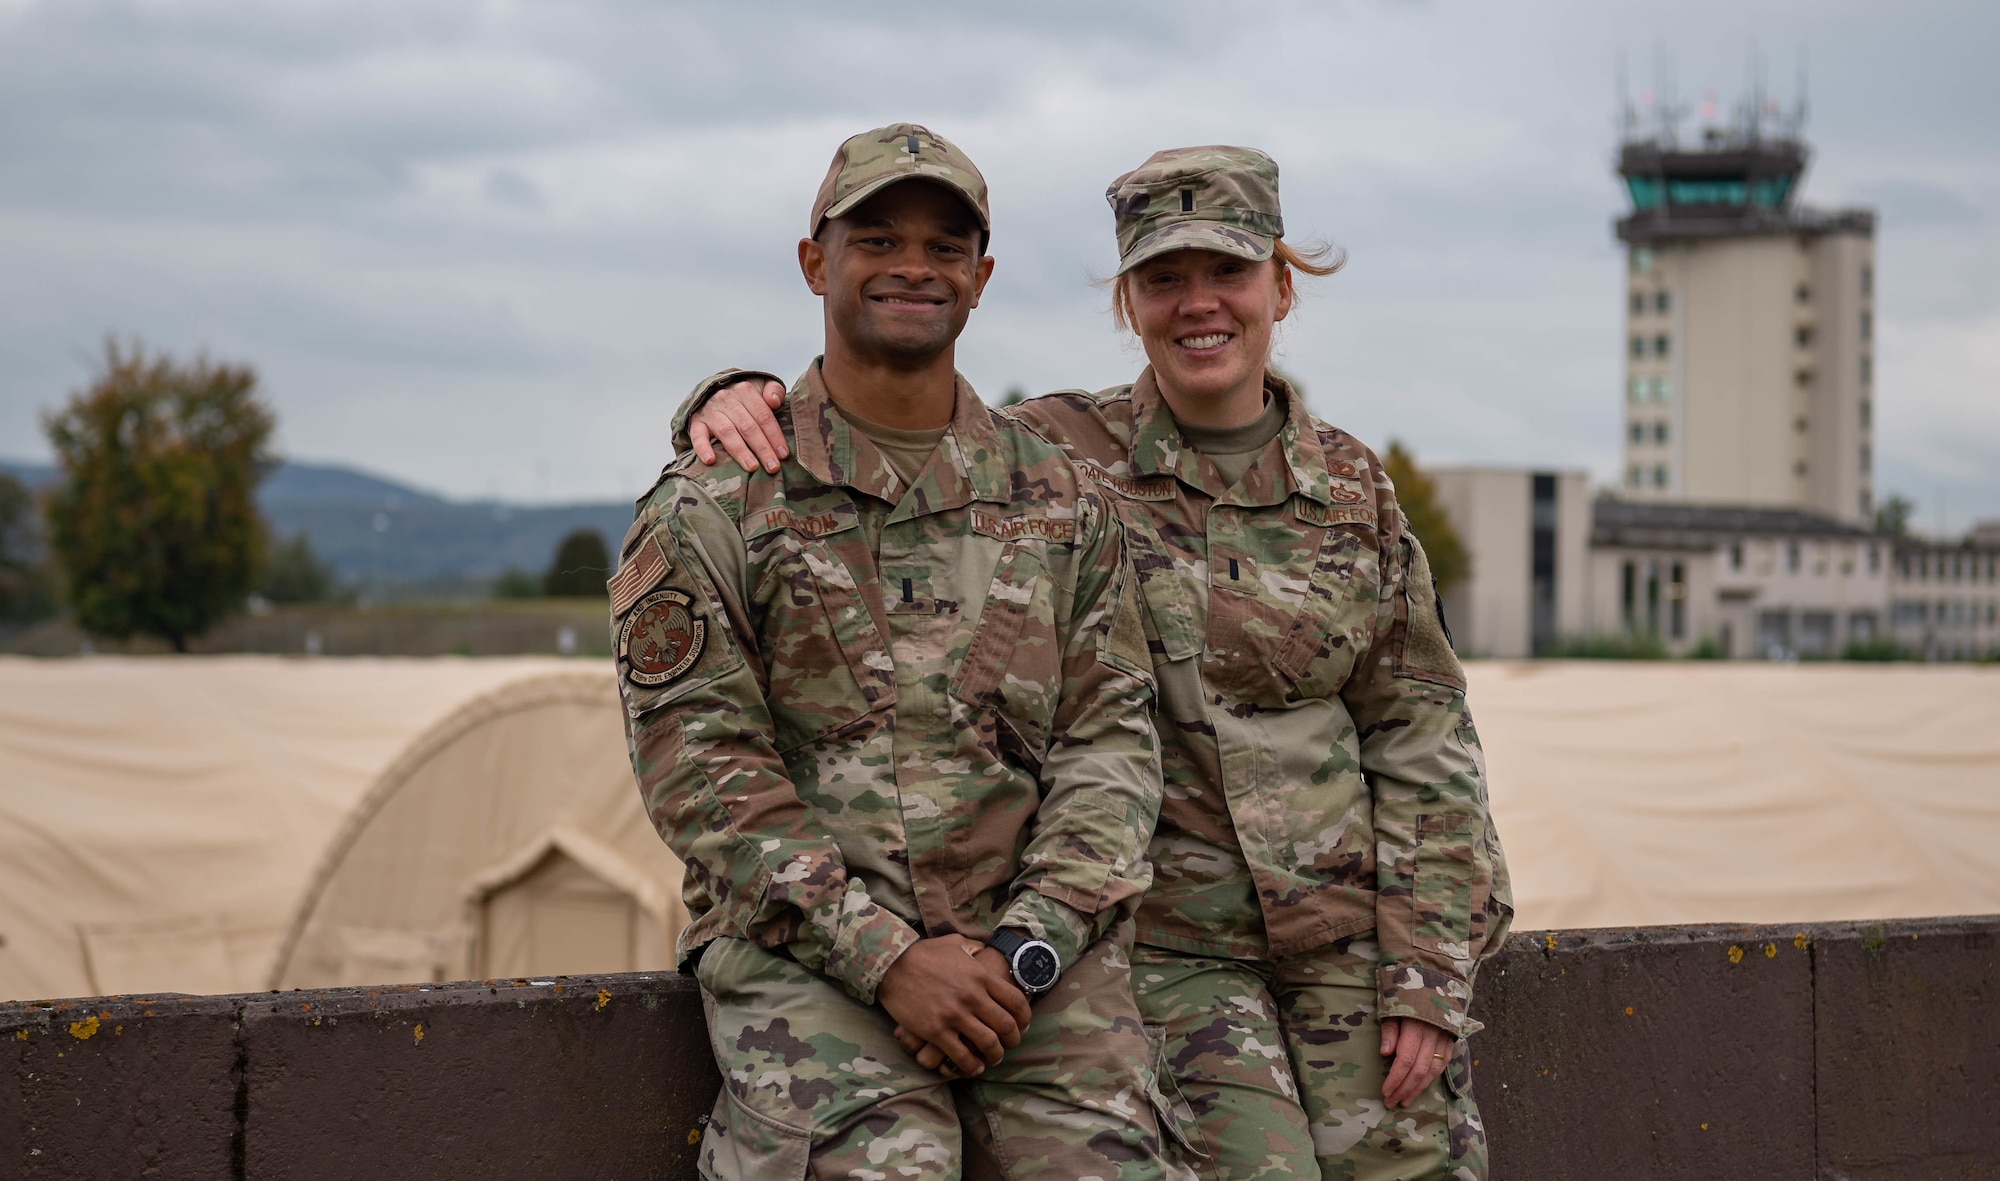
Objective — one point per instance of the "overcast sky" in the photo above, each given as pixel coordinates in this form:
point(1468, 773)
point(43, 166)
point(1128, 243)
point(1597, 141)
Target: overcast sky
point(485, 247)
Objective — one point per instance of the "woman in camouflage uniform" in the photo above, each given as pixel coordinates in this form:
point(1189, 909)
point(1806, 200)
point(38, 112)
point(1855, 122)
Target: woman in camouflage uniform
point(1327, 878)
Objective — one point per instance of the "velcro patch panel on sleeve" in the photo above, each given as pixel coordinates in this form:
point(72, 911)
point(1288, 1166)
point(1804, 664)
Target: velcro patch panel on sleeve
point(1018, 527)
point(641, 571)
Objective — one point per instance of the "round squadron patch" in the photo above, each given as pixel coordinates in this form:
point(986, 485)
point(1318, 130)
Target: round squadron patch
point(661, 639)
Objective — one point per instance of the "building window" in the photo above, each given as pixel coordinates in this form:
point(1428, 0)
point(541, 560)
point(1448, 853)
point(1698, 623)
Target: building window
point(1638, 432)
point(1660, 477)
point(1659, 432)
point(1642, 260)
point(1867, 282)
point(1866, 413)
point(1629, 595)
point(1662, 302)
point(1804, 337)
point(1874, 553)
point(1792, 557)
point(1867, 370)
point(1804, 294)
point(1736, 555)
point(1867, 457)
point(1638, 346)
point(1653, 598)
point(1677, 602)
point(1635, 390)
point(1867, 327)
point(1867, 503)
point(1638, 303)
point(1661, 388)
point(1636, 477)
point(1799, 424)
point(1660, 345)
point(1799, 469)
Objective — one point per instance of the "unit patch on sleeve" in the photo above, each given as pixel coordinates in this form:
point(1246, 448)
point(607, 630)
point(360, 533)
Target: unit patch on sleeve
point(661, 639)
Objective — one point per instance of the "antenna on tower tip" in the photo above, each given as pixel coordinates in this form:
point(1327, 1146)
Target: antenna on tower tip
point(1799, 106)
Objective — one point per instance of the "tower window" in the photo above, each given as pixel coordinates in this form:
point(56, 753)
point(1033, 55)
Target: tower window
point(1864, 414)
point(1661, 388)
point(1804, 294)
point(1659, 432)
point(1638, 346)
point(1642, 260)
point(1638, 432)
point(1867, 370)
point(1867, 282)
point(1660, 477)
point(1867, 457)
point(1804, 337)
point(1635, 390)
point(1799, 469)
point(1662, 302)
point(1660, 345)
point(1867, 326)
point(1799, 424)
point(1636, 477)
point(1802, 378)
point(1638, 303)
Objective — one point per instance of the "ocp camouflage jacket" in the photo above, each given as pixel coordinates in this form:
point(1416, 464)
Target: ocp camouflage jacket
point(1322, 772)
point(863, 713)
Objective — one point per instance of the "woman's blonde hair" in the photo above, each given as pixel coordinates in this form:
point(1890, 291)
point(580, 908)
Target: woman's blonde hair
point(1318, 259)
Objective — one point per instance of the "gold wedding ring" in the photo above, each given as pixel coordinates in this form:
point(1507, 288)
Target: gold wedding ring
point(1439, 1057)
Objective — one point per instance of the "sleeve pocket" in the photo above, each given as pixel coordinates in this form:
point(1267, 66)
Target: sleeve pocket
point(1447, 878)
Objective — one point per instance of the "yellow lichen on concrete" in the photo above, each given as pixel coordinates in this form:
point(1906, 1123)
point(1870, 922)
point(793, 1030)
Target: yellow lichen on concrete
point(694, 1136)
point(83, 1030)
point(1799, 941)
point(20, 1035)
point(1770, 951)
point(420, 1034)
point(603, 999)
point(1735, 954)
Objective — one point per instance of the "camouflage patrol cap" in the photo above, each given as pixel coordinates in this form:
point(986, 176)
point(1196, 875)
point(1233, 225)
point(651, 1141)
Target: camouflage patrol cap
point(1210, 198)
point(868, 163)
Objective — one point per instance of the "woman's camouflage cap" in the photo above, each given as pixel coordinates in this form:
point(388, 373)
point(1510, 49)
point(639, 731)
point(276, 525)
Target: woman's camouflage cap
point(866, 164)
point(1210, 198)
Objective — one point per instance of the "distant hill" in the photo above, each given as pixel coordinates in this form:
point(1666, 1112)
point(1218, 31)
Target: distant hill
point(370, 528)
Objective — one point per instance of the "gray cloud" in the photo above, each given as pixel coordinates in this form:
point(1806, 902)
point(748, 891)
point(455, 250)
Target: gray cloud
point(484, 247)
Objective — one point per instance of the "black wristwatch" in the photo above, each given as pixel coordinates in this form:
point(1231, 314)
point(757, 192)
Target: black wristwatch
point(1034, 962)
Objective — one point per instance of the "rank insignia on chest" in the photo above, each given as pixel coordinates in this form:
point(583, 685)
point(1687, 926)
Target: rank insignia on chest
point(661, 639)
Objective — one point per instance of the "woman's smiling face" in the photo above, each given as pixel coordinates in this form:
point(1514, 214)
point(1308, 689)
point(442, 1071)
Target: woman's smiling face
point(1206, 320)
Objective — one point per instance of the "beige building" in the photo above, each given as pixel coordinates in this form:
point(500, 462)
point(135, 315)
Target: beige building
point(1749, 332)
point(1528, 533)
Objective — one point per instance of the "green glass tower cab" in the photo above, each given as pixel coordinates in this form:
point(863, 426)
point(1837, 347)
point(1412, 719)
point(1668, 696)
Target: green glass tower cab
point(1749, 325)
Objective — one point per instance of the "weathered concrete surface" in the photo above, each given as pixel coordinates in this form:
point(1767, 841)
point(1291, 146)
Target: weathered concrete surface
point(574, 1078)
point(1909, 1051)
point(1858, 1051)
point(119, 1087)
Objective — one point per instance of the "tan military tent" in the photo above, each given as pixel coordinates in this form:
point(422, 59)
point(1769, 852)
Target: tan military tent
point(234, 823)
point(165, 822)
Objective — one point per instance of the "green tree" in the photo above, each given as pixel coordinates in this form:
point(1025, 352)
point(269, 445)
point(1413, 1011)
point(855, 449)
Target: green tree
point(1893, 517)
point(581, 565)
point(27, 586)
point(293, 573)
point(517, 584)
point(154, 523)
point(1417, 494)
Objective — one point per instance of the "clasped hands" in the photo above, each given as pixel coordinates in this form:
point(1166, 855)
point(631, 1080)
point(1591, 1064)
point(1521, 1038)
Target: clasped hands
point(954, 1002)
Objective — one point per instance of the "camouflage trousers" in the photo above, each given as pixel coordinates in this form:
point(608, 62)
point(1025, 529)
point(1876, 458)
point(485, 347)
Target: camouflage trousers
point(1281, 1065)
point(815, 1085)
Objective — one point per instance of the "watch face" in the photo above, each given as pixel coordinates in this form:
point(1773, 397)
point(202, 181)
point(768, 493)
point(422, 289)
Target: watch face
point(1037, 966)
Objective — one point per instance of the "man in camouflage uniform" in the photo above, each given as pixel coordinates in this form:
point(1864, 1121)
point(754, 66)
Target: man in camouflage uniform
point(890, 703)
point(1326, 871)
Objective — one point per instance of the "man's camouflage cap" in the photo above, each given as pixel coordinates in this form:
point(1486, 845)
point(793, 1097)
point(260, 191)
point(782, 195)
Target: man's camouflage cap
point(868, 163)
point(1211, 198)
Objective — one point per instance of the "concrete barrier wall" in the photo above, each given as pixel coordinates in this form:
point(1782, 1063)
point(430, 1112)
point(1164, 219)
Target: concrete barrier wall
point(1857, 1051)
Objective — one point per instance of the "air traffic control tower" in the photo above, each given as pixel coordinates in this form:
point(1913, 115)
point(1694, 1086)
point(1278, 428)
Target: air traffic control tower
point(1749, 367)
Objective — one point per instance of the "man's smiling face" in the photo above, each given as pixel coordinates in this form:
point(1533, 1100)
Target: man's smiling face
point(900, 273)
